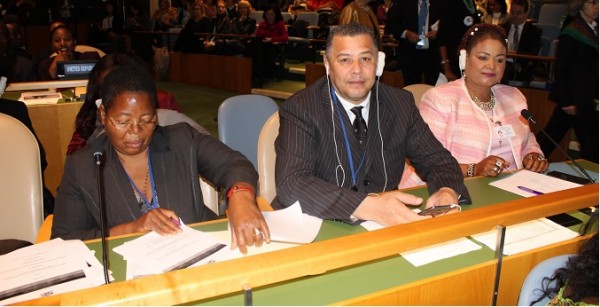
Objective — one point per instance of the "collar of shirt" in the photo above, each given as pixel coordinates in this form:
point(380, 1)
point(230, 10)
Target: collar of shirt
point(349, 105)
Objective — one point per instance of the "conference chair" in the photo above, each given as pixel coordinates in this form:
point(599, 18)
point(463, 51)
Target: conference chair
point(418, 90)
point(531, 289)
point(553, 13)
point(266, 158)
point(240, 119)
point(257, 15)
point(21, 200)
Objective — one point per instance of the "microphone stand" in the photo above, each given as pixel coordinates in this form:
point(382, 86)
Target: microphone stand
point(103, 226)
point(529, 117)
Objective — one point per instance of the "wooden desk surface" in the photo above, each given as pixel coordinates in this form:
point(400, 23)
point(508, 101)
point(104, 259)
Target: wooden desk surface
point(304, 272)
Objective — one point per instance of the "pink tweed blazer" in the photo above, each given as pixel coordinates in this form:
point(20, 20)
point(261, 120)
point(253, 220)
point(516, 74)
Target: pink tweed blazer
point(466, 131)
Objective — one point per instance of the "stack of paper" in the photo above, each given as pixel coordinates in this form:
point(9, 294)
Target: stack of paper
point(45, 97)
point(153, 254)
point(527, 184)
point(46, 269)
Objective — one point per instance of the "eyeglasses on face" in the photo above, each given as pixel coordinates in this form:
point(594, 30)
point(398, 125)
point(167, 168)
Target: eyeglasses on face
point(128, 125)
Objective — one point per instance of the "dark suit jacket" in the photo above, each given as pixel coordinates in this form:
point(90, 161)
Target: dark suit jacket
point(403, 16)
point(178, 153)
point(307, 162)
point(530, 42)
point(452, 27)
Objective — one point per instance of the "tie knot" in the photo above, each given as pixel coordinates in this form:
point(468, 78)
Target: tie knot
point(357, 111)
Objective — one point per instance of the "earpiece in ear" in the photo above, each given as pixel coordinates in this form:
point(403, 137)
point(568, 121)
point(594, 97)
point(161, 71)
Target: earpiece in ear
point(326, 69)
point(326, 64)
point(462, 59)
point(380, 63)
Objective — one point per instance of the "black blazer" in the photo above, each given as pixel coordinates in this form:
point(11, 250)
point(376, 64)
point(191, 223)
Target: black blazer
point(530, 41)
point(308, 168)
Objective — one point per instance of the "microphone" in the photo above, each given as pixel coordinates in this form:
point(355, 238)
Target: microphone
point(103, 222)
point(529, 117)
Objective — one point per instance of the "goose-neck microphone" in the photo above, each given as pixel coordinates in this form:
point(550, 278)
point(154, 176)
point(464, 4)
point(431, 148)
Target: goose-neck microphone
point(529, 117)
point(103, 222)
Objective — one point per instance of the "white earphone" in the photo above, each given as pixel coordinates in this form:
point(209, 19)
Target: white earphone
point(462, 59)
point(380, 63)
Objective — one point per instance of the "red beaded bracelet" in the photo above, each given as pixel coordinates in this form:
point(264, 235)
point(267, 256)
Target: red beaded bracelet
point(236, 188)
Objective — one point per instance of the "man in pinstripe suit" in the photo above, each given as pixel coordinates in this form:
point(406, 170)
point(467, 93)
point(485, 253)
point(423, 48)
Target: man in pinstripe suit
point(320, 161)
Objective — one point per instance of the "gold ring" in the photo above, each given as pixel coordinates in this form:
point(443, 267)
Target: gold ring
point(496, 169)
point(541, 158)
point(498, 163)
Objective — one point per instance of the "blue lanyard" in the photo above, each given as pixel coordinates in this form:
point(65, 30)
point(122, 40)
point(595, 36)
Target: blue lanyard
point(353, 172)
point(147, 206)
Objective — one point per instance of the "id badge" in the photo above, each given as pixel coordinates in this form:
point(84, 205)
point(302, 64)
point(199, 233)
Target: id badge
point(504, 131)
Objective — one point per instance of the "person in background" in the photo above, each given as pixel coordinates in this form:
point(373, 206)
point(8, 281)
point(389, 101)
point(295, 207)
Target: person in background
point(270, 33)
point(14, 66)
point(477, 119)
point(382, 11)
point(340, 172)
point(358, 11)
point(316, 5)
point(165, 16)
point(575, 89)
point(109, 30)
point(87, 122)
point(243, 24)
point(496, 12)
point(17, 38)
point(46, 53)
point(199, 23)
point(456, 16)
point(232, 9)
point(576, 284)
point(63, 43)
point(523, 38)
point(151, 172)
point(416, 34)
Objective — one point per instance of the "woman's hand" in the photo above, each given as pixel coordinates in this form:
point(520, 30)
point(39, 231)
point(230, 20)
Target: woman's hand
point(490, 166)
point(247, 224)
point(162, 221)
point(535, 162)
point(448, 73)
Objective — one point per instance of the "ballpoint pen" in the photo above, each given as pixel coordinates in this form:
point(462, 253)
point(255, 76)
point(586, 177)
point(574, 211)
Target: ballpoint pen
point(526, 189)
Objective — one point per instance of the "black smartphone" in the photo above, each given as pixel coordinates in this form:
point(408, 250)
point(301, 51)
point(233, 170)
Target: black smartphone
point(437, 210)
point(564, 219)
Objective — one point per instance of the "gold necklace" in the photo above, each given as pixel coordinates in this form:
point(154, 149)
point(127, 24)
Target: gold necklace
point(484, 105)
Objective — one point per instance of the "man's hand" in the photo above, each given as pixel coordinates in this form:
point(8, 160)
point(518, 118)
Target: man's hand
point(389, 208)
point(443, 197)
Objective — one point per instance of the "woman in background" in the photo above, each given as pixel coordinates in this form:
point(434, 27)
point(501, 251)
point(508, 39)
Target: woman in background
point(270, 33)
point(478, 119)
point(63, 44)
point(496, 12)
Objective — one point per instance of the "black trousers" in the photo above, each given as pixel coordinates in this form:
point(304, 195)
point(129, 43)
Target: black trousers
point(585, 124)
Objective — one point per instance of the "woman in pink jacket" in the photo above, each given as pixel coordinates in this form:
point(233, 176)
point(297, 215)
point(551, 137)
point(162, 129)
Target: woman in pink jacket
point(478, 119)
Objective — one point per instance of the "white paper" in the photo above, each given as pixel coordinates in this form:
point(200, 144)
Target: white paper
point(291, 225)
point(534, 181)
point(159, 254)
point(425, 255)
point(48, 268)
point(527, 236)
point(42, 97)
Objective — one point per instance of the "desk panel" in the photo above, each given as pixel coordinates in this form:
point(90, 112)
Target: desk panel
point(54, 125)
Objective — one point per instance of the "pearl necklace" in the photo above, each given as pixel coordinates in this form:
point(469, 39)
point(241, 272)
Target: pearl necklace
point(484, 105)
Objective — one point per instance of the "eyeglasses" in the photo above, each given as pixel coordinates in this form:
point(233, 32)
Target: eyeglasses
point(128, 125)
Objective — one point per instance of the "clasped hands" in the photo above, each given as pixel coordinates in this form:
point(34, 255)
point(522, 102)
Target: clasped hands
point(392, 207)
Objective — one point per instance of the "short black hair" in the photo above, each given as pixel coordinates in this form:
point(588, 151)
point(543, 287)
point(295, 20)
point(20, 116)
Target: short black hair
point(127, 78)
point(523, 3)
point(352, 30)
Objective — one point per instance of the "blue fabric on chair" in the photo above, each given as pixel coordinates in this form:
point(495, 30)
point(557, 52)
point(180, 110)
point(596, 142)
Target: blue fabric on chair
point(240, 120)
point(530, 291)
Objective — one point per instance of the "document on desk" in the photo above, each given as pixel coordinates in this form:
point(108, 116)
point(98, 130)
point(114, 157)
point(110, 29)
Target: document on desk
point(527, 236)
point(158, 254)
point(527, 183)
point(42, 97)
point(290, 225)
point(48, 268)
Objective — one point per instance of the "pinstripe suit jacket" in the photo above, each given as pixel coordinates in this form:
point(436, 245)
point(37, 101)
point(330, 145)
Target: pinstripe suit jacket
point(307, 167)
point(179, 155)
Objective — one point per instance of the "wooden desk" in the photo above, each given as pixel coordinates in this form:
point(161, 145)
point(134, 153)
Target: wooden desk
point(54, 125)
point(350, 266)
